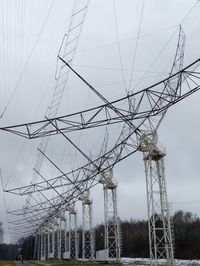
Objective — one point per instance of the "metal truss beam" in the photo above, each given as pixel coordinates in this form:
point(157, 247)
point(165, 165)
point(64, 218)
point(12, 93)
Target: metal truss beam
point(147, 103)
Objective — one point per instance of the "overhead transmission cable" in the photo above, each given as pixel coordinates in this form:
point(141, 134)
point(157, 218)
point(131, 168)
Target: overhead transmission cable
point(189, 12)
point(158, 56)
point(118, 45)
point(3, 48)
point(118, 69)
point(173, 34)
point(23, 144)
point(136, 45)
point(28, 60)
point(125, 40)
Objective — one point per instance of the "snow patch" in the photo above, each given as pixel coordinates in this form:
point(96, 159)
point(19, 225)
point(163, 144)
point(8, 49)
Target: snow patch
point(146, 261)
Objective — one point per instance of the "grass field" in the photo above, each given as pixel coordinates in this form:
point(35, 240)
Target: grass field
point(70, 262)
point(7, 263)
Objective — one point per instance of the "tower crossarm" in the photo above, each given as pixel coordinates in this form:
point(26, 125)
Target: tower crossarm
point(149, 102)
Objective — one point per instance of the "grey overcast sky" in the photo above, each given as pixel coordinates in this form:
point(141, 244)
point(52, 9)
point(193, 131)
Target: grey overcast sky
point(31, 32)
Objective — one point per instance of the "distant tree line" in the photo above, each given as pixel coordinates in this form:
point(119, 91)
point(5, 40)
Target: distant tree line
point(134, 239)
point(8, 251)
point(187, 235)
point(135, 242)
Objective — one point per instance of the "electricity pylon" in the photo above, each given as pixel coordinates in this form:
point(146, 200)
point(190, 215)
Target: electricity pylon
point(160, 235)
point(63, 233)
point(56, 237)
point(73, 237)
point(112, 232)
point(51, 240)
point(88, 230)
point(43, 243)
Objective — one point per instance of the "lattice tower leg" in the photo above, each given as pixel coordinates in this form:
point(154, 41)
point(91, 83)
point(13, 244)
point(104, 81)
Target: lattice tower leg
point(88, 232)
point(56, 240)
point(42, 245)
point(45, 244)
point(112, 233)
point(73, 238)
point(62, 234)
point(59, 240)
point(160, 236)
point(66, 236)
point(53, 241)
point(48, 243)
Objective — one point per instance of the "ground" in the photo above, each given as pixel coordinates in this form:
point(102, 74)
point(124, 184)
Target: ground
point(7, 263)
point(53, 263)
point(71, 262)
point(125, 261)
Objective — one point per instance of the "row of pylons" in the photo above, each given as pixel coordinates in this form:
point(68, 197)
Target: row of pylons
point(60, 239)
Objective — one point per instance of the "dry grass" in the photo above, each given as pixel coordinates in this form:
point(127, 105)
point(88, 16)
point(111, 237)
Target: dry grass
point(7, 263)
point(70, 262)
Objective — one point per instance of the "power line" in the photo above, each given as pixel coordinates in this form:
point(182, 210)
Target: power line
point(125, 40)
point(28, 60)
point(136, 46)
point(189, 12)
point(118, 45)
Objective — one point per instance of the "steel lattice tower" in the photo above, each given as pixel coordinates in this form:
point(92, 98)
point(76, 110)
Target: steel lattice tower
point(73, 237)
point(48, 241)
point(65, 238)
point(112, 232)
point(160, 235)
point(62, 233)
point(88, 231)
point(40, 245)
point(43, 244)
point(56, 238)
point(59, 238)
point(51, 241)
